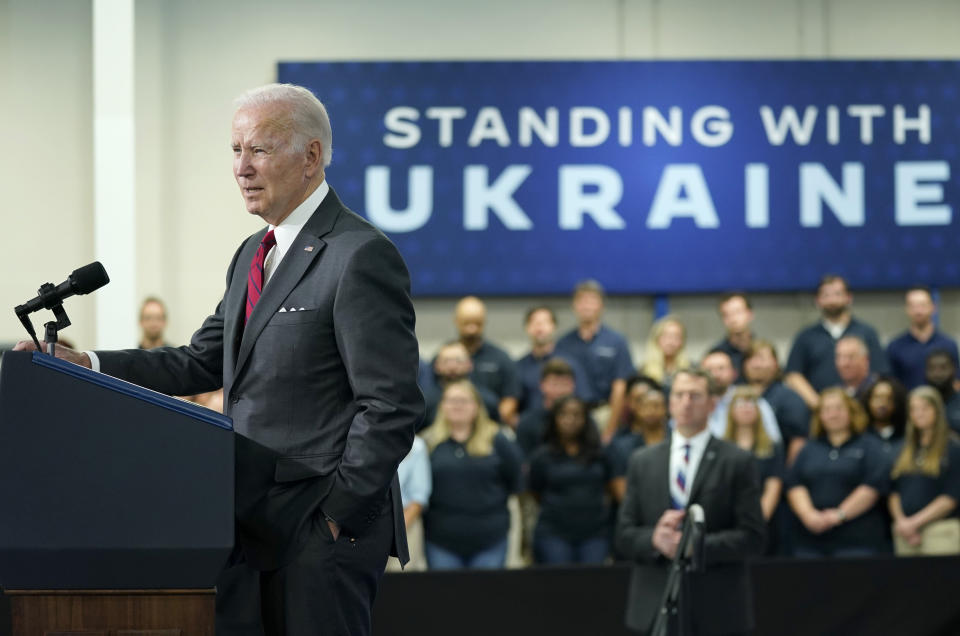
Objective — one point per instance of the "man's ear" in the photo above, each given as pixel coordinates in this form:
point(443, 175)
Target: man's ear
point(313, 158)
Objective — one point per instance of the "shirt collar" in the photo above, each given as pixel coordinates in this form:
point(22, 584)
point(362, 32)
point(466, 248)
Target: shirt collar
point(288, 229)
point(697, 443)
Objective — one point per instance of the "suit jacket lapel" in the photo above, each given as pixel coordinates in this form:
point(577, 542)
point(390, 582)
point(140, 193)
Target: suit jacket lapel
point(661, 486)
point(304, 250)
point(707, 462)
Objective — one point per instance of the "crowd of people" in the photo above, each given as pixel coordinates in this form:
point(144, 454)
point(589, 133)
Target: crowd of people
point(854, 442)
point(525, 461)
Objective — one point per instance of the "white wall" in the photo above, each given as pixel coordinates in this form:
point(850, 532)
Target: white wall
point(192, 58)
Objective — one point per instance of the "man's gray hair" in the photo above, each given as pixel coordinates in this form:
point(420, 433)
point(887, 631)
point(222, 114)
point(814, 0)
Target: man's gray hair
point(308, 115)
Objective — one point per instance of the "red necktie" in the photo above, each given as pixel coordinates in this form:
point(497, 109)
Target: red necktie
point(255, 277)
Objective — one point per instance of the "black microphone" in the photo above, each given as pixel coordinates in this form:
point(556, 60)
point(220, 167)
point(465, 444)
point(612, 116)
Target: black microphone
point(82, 281)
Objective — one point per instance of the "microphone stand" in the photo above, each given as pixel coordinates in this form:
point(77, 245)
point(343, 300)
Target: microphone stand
point(62, 322)
point(688, 559)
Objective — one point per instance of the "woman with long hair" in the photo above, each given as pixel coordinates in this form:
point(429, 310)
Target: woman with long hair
point(886, 404)
point(745, 429)
point(926, 481)
point(475, 468)
point(570, 477)
point(665, 352)
point(835, 483)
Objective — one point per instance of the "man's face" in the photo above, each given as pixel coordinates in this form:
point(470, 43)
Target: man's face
point(919, 308)
point(588, 306)
point(690, 403)
point(469, 320)
point(940, 371)
point(720, 368)
point(453, 363)
point(736, 316)
point(553, 387)
point(853, 365)
point(540, 327)
point(273, 179)
point(761, 367)
point(153, 320)
point(833, 299)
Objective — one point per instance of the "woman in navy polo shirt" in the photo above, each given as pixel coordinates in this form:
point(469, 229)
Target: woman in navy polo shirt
point(474, 468)
point(570, 477)
point(926, 481)
point(745, 429)
point(835, 483)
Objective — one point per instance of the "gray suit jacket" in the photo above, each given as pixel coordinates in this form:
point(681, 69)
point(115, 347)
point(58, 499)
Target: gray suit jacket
point(727, 485)
point(325, 400)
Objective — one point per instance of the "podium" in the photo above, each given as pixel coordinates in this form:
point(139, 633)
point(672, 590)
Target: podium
point(116, 503)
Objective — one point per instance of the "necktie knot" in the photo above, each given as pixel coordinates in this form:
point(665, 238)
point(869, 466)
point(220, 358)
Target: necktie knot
point(268, 241)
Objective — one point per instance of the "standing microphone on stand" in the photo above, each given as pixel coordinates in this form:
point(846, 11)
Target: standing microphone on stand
point(697, 529)
point(81, 281)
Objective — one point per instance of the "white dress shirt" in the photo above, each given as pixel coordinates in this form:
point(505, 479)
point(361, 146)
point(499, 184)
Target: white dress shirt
point(290, 227)
point(698, 445)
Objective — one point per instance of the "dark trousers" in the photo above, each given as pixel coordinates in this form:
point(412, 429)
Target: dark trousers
point(327, 590)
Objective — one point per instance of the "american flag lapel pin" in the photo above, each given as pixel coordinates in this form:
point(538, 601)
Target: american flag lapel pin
point(308, 248)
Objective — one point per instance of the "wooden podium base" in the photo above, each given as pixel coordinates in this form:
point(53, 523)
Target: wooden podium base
point(112, 612)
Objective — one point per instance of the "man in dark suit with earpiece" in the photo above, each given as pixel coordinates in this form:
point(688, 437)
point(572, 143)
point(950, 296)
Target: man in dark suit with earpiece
point(692, 467)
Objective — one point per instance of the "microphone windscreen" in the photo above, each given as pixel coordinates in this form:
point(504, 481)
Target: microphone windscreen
point(89, 278)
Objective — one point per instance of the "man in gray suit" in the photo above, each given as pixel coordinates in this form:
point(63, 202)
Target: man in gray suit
point(314, 346)
point(662, 482)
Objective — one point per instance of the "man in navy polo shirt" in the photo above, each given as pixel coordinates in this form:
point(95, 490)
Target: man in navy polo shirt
point(601, 352)
point(493, 368)
point(540, 323)
point(811, 366)
point(908, 352)
point(736, 313)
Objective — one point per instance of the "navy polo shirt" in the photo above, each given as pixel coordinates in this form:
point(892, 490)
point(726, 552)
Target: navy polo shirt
point(572, 492)
point(530, 428)
point(494, 369)
point(604, 359)
point(529, 368)
point(468, 504)
point(812, 354)
point(793, 415)
point(771, 466)
point(830, 475)
point(620, 449)
point(908, 356)
point(917, 490)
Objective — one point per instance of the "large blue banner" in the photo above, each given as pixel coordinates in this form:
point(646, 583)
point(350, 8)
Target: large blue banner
point(503, 178)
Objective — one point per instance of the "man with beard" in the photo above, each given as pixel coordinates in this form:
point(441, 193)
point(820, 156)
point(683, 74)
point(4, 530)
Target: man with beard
point(493, 368)
point(811, 366)
point(941, 373)
point(540, 323)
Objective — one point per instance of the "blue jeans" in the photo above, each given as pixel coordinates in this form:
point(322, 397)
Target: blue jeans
point(492, 558)
point(551, 549)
